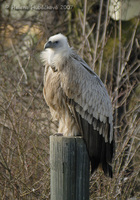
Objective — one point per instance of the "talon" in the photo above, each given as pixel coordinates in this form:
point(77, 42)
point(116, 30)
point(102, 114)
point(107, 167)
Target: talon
point(58, 134)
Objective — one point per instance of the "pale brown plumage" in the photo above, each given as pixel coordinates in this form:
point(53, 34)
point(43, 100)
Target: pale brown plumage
point(78, 99)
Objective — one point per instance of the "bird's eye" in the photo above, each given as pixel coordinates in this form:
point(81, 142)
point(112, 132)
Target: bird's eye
point(56, 42)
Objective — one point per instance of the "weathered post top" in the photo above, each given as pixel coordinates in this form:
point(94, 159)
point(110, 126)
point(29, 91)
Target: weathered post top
point(69, 162)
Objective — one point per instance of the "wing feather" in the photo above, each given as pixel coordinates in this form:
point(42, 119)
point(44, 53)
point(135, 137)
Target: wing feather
point(87, 91)
point(91, 107)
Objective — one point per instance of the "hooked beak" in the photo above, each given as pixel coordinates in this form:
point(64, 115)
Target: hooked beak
point(48, 45)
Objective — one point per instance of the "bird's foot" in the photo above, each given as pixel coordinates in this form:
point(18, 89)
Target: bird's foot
point(58, 134)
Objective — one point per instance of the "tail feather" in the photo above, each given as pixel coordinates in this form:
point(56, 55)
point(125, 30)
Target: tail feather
point(107, 169)
point(100, 152)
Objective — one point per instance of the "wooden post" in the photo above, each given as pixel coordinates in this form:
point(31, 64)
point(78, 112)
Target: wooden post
point(69, 168)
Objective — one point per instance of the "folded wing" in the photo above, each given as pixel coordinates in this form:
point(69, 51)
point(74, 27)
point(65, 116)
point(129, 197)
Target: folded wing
point(89, 103)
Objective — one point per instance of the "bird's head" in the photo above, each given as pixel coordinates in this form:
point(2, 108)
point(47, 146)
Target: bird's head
point(57, 42)
point(56, 50)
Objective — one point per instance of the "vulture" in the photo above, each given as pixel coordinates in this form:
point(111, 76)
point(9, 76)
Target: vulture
point(78, 99)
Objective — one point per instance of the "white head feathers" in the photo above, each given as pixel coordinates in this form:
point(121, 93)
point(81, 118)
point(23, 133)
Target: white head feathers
point(56, 50)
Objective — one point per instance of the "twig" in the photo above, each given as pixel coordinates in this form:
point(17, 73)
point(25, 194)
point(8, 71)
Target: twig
point(97, 33)
point(104, 38)
point(85, 13)
point(18, 59)
point(17, 85)
point(130, 48)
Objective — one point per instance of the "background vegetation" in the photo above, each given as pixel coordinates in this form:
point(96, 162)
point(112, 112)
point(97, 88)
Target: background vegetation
point(111, 48)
